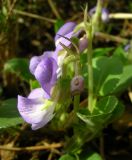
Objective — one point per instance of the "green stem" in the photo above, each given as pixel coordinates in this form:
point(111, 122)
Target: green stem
point(77, 97)
point(90, 29)
point(90, 76)
point(97, 17)
point(76, 102)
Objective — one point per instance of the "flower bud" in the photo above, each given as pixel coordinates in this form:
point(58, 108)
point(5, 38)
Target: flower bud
point(127, 47)
point(105, 15)
point(83, 43)
point(77, 85)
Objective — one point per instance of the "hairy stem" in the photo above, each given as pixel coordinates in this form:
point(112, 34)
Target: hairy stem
point(90, 75)
point(76, 102)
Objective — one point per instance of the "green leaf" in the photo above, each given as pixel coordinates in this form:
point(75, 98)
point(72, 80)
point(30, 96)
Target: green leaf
point(104, 109)
point(107, 73)
point(19, 66)
point(120, 53)
point(9, 115)
point(91, 156)
point(101, 51)
point(125, 80)
point(94, 156)
point(101, 113)
point(34, 84)
point(118, 112)
point(58, 24)
point(67, 157)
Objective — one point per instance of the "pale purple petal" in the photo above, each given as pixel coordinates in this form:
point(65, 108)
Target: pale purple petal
point(33, 111)
point(30, 109)
point(48, 54)
point(83, 43)
point(45, 73)
point(65, 29)
point(37, 59)
point(46, 118)
point(63, 41)
point(44, 69)
point(33, 63)
point(38, 93)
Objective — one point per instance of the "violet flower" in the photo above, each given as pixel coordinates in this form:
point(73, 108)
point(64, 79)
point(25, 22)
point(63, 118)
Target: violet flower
point(38, 109)
point(67, 30)
point(44, 68)
point(35, 109)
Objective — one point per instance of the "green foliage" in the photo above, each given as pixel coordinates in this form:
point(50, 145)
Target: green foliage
point(101, 114)
point(83, 156)
point(67, 157)
point(125, 80)
point(58, 24)
point(102, 51)
point(34, 84)
point(90, 124)
point(119, 52)
point(94, 156)
point(9, 115)
point(18, 66)
point(107, 73)
point(90, 156)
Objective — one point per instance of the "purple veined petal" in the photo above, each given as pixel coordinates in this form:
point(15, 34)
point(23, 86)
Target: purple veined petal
point(63, 41)
point(30, 109)
point(38, 93)
point(47, 117)
point(65, 29)
point(33, 63)
point(48, 54)
point(37, 59)
point(33, 111)
point(105, 15)
point(51, 54)
point(83, 43)
point(45, 73)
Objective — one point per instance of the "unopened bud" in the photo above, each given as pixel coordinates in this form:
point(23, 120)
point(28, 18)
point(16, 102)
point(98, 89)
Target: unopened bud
point(127, 47)
point(105, 15)
point(83, 43)
point(77, 85)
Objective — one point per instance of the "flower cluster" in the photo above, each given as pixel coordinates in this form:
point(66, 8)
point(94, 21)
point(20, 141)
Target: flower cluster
point(38, 108)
